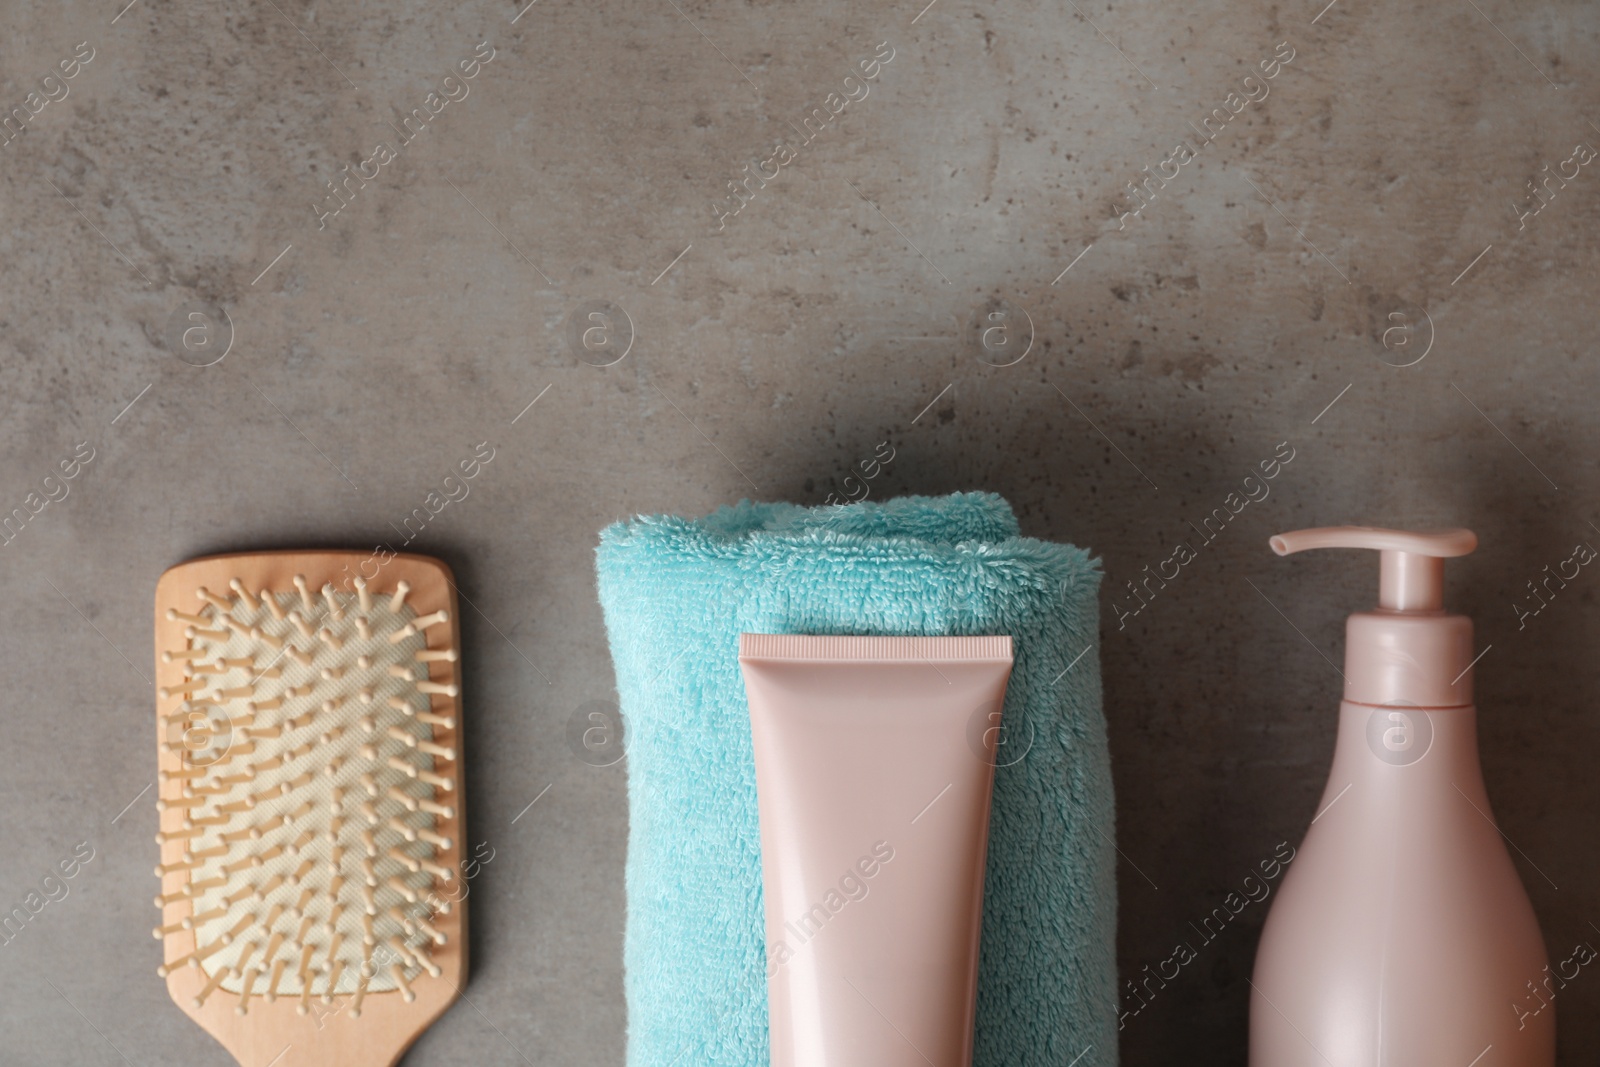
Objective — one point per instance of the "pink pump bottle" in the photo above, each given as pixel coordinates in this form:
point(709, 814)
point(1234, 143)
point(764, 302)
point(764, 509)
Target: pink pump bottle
point(1401, 935)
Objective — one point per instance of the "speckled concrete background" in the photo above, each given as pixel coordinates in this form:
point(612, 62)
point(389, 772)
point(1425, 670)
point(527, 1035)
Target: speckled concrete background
point(1365, 214)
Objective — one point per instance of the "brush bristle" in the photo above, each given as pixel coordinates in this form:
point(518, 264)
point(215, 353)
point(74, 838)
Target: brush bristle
point(311, 786)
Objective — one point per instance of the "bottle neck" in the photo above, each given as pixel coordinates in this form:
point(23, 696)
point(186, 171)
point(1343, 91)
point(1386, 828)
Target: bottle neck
point(1411, 659)
point(1398, 755)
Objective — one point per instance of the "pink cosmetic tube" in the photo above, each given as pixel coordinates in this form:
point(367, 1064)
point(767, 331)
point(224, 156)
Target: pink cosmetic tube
point(874, 768)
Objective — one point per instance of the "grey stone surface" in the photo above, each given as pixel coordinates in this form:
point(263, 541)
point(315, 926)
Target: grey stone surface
point(1251, 303)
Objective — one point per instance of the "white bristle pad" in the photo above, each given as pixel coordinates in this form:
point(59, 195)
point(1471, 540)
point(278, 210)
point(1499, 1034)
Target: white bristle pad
point(311, 791)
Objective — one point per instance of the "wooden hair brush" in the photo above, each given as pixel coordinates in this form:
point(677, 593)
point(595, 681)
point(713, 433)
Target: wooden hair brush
point(309, 789)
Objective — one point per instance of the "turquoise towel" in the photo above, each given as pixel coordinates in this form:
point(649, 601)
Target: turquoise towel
point(678, 592)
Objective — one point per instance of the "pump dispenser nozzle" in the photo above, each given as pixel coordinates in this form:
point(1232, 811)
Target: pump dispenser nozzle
point(1408, 651)
point(1411, 574)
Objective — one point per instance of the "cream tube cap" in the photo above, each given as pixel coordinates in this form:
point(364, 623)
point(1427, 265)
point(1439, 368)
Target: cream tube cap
point(1408, 651)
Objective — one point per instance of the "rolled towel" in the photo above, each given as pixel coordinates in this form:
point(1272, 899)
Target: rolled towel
point(678, 592)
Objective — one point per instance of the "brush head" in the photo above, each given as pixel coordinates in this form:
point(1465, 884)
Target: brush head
point(309, 789)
